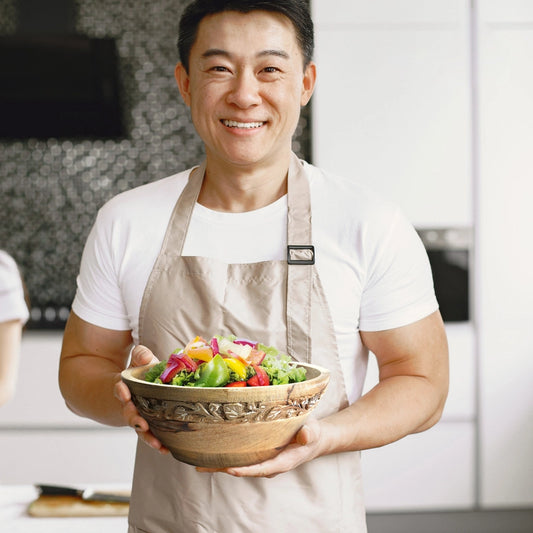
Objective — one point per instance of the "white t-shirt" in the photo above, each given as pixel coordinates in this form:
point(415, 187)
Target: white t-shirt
point(12, 303)
point(373, 267)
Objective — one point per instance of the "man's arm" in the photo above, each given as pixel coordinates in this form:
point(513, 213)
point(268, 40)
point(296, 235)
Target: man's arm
point(412, 388)
point(92, 359)
point(409, 398)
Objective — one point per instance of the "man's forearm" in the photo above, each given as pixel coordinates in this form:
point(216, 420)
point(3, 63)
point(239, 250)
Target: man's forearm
point(410, 396)
point(396, 407)
point(87, 384)
point(91, 361)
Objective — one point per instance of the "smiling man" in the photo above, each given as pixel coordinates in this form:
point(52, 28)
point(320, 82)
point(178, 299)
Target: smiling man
point(245, 82)
point(211, 251)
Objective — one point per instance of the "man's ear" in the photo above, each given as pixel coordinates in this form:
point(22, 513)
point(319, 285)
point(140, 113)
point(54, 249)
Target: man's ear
point(183, 81)
point(309, 82)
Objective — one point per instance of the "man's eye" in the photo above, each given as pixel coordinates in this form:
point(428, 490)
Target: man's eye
point(271, 69)
point(219, 68)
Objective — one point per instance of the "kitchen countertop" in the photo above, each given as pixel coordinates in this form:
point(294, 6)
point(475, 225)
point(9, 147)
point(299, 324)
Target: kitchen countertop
point(14, 502)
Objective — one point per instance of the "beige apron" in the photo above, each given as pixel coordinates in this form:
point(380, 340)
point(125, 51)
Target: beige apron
point(280, 303)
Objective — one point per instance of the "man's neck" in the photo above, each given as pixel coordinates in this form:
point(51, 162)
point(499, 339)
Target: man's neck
point(239, 189)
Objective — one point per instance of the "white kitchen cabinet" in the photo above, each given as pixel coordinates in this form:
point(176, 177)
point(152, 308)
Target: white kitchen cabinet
point(430, 103)
point(435, 469)
point(42, 441)
point(368, 12)
point(67, 456)
point(461, 401)
point(393, 108)
point(426, 471)
point(505, 250)
point(393, 104)
point(37, 400)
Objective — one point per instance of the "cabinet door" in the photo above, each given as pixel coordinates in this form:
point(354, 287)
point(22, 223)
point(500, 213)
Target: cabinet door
point(392, 105)
point(67, 456)
point(461, 402)
point(37, 401)
point(505, 251)
point(435, 469)
point(426, 471)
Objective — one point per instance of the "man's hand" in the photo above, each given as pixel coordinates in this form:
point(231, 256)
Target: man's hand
point(140, 356)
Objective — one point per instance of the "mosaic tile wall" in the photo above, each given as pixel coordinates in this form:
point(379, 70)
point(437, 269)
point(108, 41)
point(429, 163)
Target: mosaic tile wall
point(50, 190)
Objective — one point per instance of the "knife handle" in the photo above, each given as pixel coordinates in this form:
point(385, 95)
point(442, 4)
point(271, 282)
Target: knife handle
point(58, 490)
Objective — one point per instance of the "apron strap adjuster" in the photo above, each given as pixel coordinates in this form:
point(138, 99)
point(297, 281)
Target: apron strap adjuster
point(300, 254)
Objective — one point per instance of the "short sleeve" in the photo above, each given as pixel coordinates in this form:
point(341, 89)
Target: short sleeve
point(12, 302)
point(399, 285)
point(98, 297)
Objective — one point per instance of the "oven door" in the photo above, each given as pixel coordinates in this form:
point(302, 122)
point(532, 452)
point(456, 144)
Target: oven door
point(449, 252)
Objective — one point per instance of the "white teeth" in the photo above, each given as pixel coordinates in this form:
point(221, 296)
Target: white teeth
point(247, 125)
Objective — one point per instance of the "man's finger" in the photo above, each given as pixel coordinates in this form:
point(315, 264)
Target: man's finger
point(141, 355)
point(121, 392)
point(304, 436)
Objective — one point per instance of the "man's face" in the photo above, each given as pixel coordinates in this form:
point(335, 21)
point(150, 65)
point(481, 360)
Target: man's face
point(245, 86)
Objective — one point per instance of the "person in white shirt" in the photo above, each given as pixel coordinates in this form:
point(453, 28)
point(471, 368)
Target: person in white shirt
point(212, 245)
point(13, 315)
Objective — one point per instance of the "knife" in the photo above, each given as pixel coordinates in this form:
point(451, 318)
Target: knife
point(84, 494)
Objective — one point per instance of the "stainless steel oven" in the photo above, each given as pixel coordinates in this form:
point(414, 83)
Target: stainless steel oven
point(449, 252)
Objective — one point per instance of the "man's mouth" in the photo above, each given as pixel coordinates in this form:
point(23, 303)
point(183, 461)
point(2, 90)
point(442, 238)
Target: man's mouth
point(245, 125)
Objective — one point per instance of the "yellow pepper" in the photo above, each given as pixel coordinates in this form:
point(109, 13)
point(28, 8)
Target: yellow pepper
point(237, 367)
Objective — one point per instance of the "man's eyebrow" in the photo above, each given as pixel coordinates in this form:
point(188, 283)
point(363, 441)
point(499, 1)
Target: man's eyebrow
point(277, 53)
point(215, 52)
point(211, 52)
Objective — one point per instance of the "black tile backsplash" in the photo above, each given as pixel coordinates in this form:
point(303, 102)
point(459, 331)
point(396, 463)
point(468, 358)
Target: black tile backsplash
point(51, 189)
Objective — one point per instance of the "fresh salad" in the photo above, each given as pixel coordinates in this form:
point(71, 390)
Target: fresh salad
point(226, 362)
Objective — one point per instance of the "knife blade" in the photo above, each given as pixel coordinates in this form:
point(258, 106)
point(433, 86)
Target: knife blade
point(85, 494)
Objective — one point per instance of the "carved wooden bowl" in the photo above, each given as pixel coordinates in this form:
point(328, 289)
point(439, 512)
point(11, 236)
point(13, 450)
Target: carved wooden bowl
point(218, 427)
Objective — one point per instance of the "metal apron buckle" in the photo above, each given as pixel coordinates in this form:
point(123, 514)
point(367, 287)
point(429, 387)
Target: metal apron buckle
point(300, 254)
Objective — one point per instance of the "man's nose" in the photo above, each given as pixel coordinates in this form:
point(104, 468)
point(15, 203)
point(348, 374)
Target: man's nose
point(245, 91)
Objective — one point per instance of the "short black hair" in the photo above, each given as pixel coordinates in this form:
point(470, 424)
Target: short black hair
point(297, 11)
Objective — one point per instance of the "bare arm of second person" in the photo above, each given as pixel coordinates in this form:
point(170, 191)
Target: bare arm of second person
point(92, 359)
point(10, 337)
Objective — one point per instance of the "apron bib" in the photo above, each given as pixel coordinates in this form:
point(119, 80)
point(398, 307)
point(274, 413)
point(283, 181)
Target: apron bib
point(280, 303)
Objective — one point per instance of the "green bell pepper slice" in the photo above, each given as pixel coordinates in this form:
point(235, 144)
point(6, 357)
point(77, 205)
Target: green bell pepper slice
point(215, 373)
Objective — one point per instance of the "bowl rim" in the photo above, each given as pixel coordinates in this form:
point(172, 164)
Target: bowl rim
point(127, 377)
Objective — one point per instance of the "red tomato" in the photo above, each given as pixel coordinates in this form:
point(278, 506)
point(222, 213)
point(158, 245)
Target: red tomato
point(253, 381)
point(262, 375)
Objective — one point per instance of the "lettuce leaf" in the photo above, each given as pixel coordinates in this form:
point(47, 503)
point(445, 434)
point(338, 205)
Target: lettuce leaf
point(280, 367)
point(155, 371)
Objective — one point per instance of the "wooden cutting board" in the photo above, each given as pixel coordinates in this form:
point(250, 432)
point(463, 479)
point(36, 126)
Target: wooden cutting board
point(74, 506)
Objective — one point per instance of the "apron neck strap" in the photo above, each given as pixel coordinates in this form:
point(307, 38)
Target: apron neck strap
point(182, 213)
point(300, 261)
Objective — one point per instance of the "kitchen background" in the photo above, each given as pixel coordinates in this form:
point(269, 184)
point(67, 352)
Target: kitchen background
point(428, 100)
